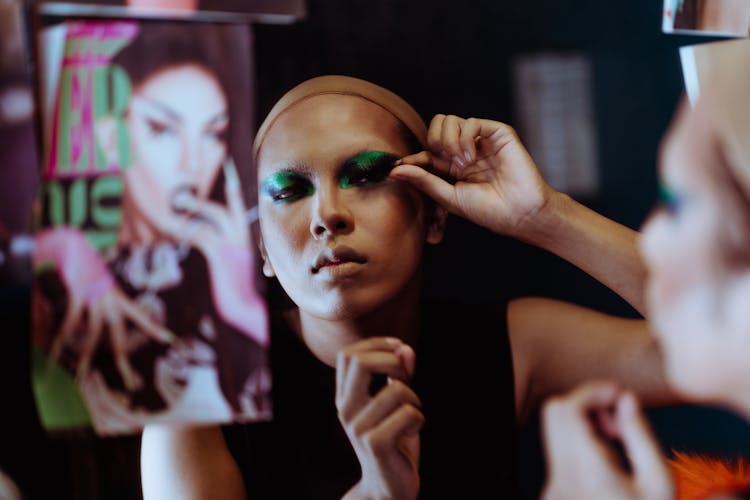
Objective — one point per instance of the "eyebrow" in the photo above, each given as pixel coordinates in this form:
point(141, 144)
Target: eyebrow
point(305, 169)
point(175, 116)
point(163, 108)
point(368, 151)
point(290, 166)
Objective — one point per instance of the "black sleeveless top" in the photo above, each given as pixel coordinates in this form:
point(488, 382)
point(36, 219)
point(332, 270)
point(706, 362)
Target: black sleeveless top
point(464, 378)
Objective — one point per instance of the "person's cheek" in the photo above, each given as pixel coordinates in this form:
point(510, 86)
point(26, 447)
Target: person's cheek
point(162, 153)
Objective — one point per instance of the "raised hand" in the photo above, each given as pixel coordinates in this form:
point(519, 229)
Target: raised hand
point(580, 432)
point(221, 234)
point(478, 169)
point(382, 427)
point(93, 295)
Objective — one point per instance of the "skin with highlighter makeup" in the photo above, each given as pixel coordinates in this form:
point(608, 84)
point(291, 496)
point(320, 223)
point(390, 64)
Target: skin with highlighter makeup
point(347, 204)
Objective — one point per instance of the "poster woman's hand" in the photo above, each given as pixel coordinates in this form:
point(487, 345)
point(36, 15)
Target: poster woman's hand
point(95, 303)
point(221, 234)
point(580, 431)
point(383, 428)
point(478, 169)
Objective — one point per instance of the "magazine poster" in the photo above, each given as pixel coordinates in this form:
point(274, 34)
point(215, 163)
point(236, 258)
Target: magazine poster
point(282, 11)
point(146, 302)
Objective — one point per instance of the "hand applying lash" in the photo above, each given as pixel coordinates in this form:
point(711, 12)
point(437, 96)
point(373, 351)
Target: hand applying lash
point(492, 180)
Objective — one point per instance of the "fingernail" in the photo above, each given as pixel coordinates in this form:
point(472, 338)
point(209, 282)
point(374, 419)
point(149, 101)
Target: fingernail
point(406, 354)
point(467, 156)
point(394, 341)
point(398, 162)
point(458, 161)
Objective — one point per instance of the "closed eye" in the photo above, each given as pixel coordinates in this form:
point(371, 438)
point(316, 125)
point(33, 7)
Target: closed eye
point(286, 186)
point(366, 169)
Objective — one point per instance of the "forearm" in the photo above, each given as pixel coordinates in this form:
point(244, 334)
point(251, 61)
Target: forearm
point(188, 463)
point(601, 247)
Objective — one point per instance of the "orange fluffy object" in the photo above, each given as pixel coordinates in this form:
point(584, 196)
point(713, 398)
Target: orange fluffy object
point(698, 477)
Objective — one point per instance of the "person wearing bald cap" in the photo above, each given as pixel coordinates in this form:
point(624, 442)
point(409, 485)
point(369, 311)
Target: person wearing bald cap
point(697, 248)
point(378, 393)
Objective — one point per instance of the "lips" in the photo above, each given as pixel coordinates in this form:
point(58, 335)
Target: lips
point(336, 256)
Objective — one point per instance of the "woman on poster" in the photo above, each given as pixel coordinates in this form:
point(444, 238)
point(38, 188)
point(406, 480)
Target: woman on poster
point(175, 296)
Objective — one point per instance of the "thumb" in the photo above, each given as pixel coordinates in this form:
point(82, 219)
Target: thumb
point(649, 467)
point(433, 186)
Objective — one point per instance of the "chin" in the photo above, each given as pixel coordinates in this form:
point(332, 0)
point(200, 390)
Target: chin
point(346, 304)
point(340, 310)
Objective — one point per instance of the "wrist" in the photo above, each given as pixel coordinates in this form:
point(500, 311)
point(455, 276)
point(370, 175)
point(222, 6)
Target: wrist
point(542, 223)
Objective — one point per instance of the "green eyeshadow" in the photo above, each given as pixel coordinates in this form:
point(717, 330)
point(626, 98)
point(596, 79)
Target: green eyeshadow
point(286, 186)
point(366, 169)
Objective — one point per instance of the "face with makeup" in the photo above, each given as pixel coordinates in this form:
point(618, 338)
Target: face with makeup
point(340, 235)
point(695, 246)
point(177, 121)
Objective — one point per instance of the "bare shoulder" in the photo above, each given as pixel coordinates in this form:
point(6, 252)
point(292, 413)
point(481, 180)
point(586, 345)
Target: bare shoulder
point(556, 345)
point(188, 462)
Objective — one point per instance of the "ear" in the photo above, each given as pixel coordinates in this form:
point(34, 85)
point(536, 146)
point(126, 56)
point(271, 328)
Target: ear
point(436, 225)
point(268, 271)
point(105, 130)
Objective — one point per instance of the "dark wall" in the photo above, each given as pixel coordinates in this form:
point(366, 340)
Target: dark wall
point(455, 57)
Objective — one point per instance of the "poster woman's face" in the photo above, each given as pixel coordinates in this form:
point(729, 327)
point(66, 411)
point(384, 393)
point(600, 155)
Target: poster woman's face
point(341, 237)
point(177, 120)
point(689, 246)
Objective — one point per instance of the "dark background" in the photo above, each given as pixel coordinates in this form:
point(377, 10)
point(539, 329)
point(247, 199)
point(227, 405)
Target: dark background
point(455, 57)
point(443, 57)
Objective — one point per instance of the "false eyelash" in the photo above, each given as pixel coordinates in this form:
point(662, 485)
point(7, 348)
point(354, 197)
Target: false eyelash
point(371, 167)
point(286, 186)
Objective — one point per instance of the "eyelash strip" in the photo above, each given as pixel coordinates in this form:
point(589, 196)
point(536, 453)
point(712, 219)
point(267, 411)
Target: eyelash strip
point(367, 169)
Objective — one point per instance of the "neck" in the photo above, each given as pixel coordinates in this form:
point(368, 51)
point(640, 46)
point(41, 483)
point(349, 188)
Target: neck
point(399, 317)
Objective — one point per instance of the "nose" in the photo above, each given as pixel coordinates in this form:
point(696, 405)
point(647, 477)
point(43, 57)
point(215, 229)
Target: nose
point(192, 155)
point(330, 214)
